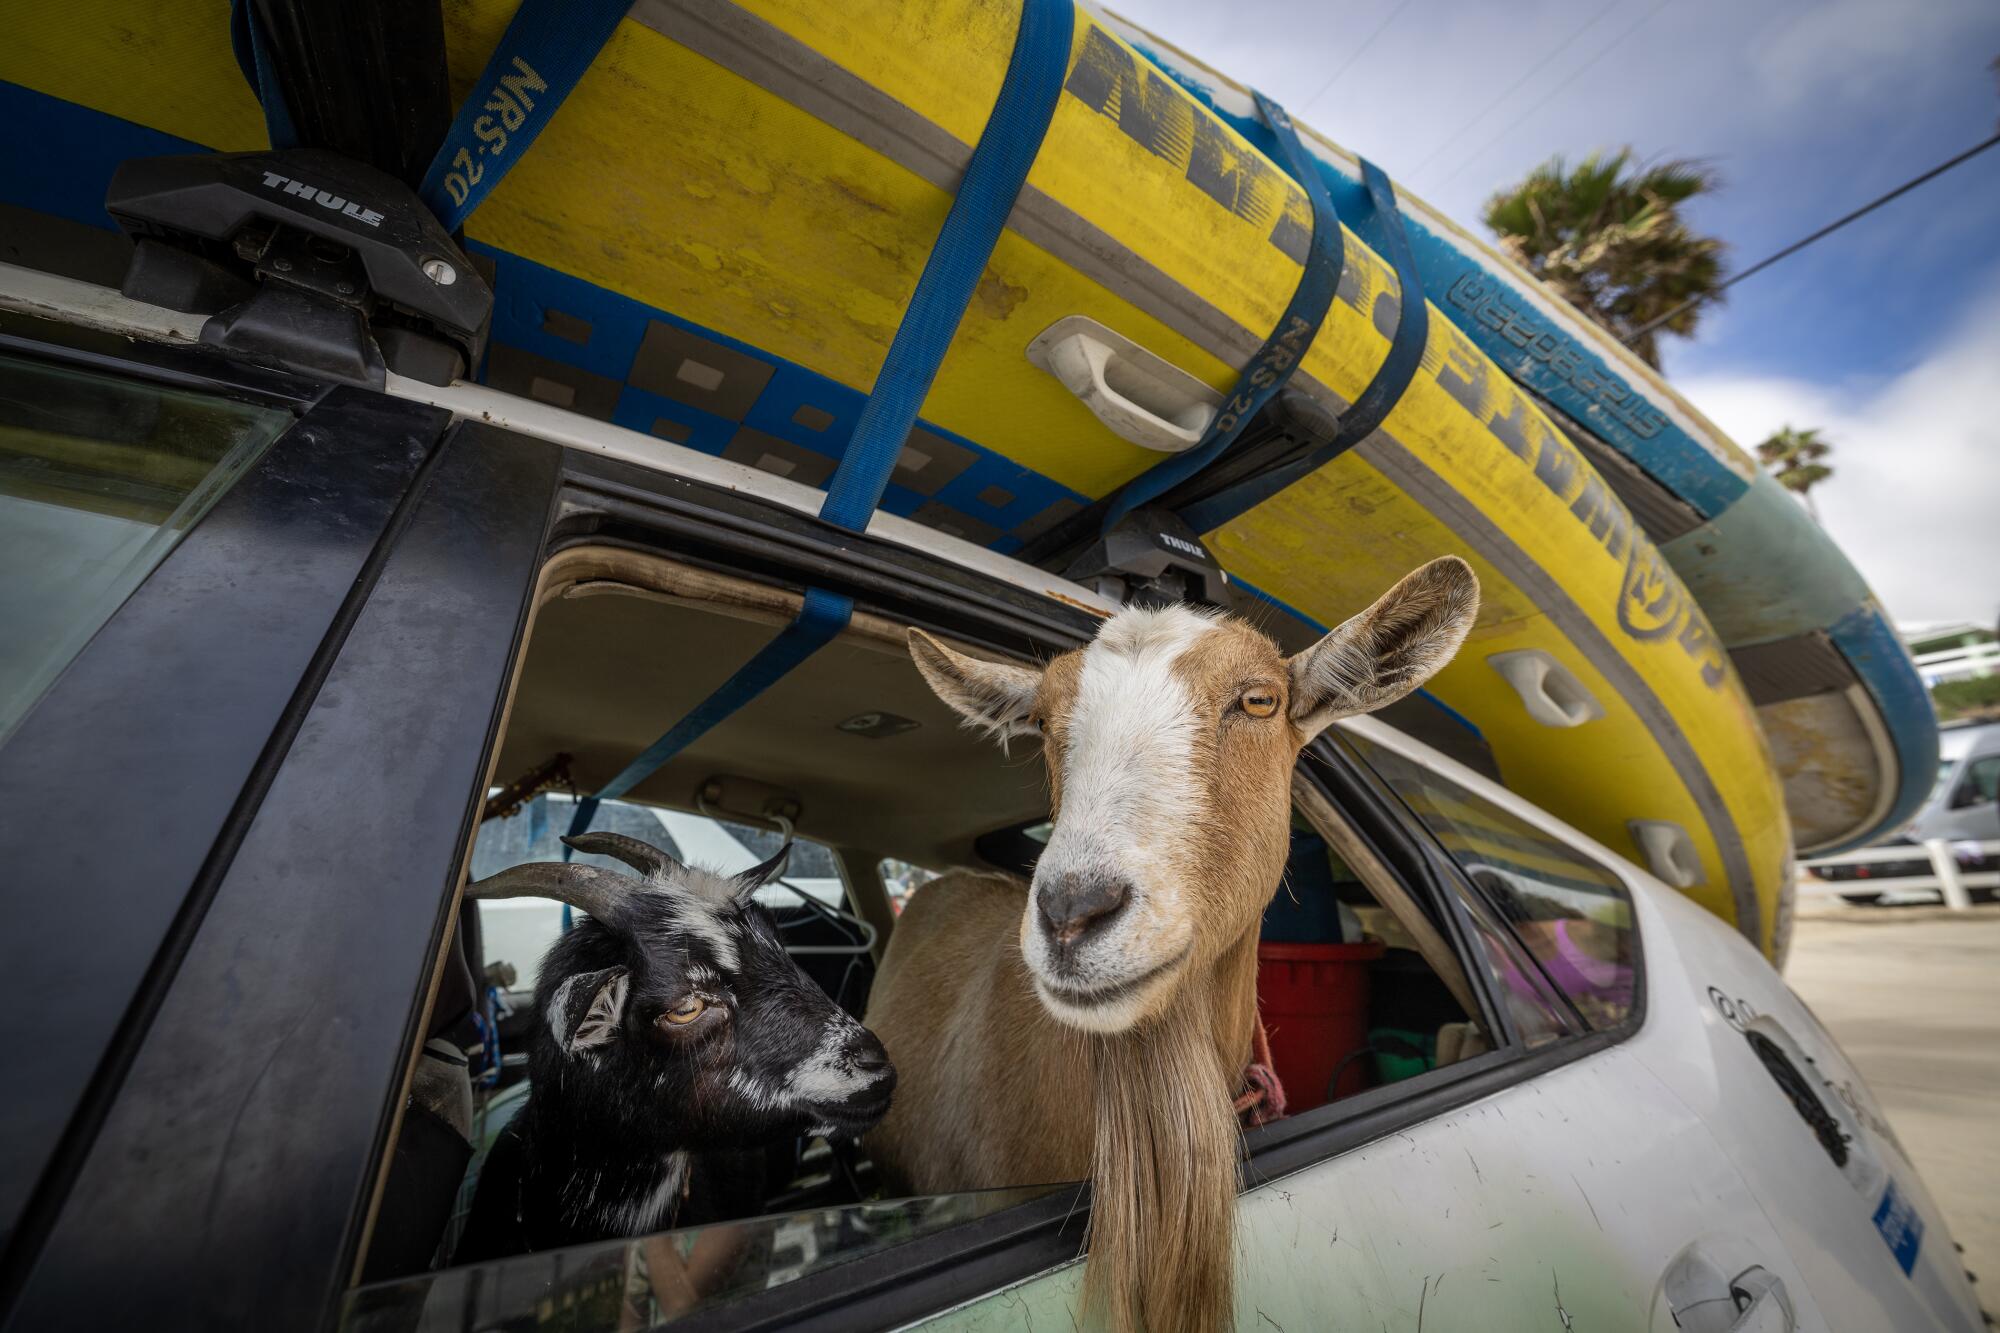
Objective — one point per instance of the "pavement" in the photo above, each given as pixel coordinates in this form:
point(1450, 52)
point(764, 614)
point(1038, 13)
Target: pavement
point(1913, 996)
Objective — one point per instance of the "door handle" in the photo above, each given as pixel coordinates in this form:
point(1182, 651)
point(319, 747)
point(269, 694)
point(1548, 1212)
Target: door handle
point(1694, 1296)
point(1139, 396)
point(1762, 1304)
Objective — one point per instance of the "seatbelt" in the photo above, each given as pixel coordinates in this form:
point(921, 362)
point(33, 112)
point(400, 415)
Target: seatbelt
point(1374, 403)
point(992, 182)
point(1275, 361)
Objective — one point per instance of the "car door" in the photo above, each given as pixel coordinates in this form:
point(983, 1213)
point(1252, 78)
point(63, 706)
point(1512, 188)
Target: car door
point(1567, 1188)
point(1795, 1115)
point(251, 801)
point(179, 538)
point(1835, 1201)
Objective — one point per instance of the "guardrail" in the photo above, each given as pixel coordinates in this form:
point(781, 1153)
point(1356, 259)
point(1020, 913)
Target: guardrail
point(1959, 663)
point(1946, 879)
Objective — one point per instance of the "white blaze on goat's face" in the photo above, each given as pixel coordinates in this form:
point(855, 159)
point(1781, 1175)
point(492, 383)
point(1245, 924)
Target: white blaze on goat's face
point(1170, 741)
point(1132, 795)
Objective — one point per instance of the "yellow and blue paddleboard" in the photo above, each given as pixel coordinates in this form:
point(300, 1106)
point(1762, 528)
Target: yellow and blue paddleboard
point(716, 236)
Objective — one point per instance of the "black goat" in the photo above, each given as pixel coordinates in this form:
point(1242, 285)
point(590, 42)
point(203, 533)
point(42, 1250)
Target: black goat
point(672, 1033)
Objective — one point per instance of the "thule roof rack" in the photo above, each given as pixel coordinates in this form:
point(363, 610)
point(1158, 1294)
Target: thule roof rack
point(305, 260)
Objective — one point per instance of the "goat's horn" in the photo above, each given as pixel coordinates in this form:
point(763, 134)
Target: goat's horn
point(641, 856)
point(598, 892)
point(757, 876)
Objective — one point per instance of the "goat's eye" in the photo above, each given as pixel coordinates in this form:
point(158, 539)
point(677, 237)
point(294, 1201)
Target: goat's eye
point(1259, 703)
point(686, 1011)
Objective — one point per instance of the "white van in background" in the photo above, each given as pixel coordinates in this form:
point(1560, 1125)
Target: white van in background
point(1962, 809)
point(1965, 804)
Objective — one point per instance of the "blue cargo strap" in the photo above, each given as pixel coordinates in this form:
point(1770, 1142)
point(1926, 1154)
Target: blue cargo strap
point(992, 182)
point(820, 618)
point(1373, 405)
point(1280, 355)
point(540, 59)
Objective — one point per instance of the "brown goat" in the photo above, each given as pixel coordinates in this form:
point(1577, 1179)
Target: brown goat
point(1097, 1021)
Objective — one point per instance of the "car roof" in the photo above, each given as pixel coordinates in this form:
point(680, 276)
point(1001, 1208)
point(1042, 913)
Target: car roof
point(1962, 742)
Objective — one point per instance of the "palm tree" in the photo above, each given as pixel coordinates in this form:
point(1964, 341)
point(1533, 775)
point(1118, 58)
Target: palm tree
point(1611, 242)
point(1793, 455)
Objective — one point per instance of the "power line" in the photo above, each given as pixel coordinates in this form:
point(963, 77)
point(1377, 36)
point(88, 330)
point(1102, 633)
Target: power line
point(1348, 64)
point(1574, 74)
point(1487, 110)
point(1801, 244)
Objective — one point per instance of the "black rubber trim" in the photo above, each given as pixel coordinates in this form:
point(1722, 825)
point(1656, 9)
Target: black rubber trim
point(1798, 1090)
point(197, 368)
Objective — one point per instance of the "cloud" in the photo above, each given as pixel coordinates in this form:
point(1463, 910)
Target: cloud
point(1915, 495)
point(1858, 51)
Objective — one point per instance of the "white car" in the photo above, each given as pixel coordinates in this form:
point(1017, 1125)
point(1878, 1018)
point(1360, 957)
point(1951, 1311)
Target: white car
point(1965, 804)
point(1962, 809)
point(249, 780)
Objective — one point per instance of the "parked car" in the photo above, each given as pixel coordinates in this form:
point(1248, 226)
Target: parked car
point(1963, 809)
point(273, 641)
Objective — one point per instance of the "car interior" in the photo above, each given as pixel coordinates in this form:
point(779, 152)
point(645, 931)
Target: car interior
point(853, 754)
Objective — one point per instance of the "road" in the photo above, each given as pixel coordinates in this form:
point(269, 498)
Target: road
point(1913, 995)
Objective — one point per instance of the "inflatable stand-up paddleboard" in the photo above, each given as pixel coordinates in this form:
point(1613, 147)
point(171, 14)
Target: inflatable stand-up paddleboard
point(1847, 716)
point(714, 240)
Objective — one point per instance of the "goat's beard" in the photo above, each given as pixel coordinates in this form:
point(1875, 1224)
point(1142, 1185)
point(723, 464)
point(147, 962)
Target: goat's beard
point(1163, 1178)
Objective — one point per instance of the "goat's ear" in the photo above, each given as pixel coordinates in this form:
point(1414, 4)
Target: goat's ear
point(757, 876)
point(997, 698)
point(1388, 650)
point(588, 1009)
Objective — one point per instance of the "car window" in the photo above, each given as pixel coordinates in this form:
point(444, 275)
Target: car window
point(901, 879)
point(608, 665)
point(1572, 915)
point(99, 478)
point(1981, 783)
point(1538, 1013)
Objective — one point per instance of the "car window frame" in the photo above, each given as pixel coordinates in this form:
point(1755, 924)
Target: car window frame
point(742, 536)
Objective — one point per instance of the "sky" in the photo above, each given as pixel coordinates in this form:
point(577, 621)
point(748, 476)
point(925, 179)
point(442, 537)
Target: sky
point(1885, 335)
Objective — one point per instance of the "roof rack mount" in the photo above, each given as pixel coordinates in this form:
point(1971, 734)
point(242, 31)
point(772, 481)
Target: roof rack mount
point(304, 260)
point(1151, 558)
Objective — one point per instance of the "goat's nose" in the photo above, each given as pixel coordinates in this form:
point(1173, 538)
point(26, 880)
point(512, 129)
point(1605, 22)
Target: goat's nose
point(868, 1056)
point(1070, 910)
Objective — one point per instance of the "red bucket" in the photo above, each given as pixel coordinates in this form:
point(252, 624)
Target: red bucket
point(1314, 1002)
